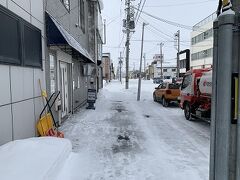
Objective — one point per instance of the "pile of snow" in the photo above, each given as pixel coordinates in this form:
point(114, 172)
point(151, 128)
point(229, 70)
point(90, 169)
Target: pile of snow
point(34, 158)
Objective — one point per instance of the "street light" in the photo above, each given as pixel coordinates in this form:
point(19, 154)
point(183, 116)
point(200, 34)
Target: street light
point(140, 69)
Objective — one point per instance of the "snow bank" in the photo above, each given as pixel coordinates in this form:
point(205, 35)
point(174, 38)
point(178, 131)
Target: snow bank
point(34, 158)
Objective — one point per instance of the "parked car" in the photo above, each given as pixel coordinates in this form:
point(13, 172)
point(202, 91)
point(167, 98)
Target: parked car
point(167, 93)
point(157, 80)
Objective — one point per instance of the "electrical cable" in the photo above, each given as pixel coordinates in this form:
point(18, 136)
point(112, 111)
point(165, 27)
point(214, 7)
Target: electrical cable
point(139, 5)
point(181, 4)
point(140, 11)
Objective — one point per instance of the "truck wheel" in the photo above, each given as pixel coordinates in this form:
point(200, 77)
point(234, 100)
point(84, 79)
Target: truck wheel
point(154, 97)
point(165, 103)
point(187, 111)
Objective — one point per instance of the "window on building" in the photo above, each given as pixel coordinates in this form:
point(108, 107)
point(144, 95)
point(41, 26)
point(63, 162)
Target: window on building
point(82, 16)
point(10, 33)
point(24, 41)
point(66, 4)
point(32, 51)
point(202, 54)
point(164, 70)
point(173, 70)
point(201, 37)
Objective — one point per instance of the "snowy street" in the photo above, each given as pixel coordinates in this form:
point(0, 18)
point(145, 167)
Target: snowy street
point(162, 145)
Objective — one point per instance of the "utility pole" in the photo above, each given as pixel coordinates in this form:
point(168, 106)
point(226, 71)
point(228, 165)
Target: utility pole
point(161, 58)
point(120, 67)
point(140, 68)
point(129, 25)
point(144, 58)
point(127, 43)
point(225, 125)
point(177, 38)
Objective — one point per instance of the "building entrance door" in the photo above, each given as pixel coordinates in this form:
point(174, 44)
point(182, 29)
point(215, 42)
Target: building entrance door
point(64, 89)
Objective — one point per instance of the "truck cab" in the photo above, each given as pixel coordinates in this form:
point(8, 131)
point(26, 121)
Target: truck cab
point(195, 96)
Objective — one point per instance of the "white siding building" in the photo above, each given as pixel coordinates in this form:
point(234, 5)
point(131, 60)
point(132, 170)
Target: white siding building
point(22, 58)
point(168, 71)
point(202, 43)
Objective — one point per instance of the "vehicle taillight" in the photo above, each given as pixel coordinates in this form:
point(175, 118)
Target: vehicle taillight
point(168, 92)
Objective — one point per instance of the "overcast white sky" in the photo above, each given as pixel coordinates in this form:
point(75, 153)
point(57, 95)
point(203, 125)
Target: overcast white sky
point(185, 12)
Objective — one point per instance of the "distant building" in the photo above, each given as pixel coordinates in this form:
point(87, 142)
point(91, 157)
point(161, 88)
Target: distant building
point(202, 43)
point(106, 65)
point(168, 71)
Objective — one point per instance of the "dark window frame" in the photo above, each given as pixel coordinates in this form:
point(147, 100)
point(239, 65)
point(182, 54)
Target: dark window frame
point(21, 23)
point(8, 60)
point(24, 46)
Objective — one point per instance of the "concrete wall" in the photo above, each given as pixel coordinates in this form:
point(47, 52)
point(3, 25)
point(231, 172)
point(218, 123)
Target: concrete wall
point(20, 101)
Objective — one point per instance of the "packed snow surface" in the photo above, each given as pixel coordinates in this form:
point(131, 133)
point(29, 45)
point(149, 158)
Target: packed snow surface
point(126, 139)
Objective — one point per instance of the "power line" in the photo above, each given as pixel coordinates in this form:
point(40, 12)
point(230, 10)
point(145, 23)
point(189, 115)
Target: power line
point(180, 4)
point(140, 11)
point(153, 31)
point(168, 22)
point(156, 40)
point(139, 5)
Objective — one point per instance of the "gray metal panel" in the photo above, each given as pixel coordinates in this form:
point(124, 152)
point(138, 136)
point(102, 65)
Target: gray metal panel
point(5, 85)
point(21, 83)
point(23, 120)
point(5, 124)
point(38, 106)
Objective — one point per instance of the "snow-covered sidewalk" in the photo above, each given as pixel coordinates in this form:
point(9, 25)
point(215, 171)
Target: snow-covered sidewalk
point(162, 145)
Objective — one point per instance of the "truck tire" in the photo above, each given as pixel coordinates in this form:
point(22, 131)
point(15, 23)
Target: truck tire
point(187, 111)
point(165, 102)
point(154, 97)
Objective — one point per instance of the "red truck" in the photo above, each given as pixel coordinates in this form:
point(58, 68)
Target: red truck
point(195, 96)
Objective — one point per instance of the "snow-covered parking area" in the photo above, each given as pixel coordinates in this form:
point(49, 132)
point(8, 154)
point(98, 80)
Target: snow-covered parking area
point(128, 140)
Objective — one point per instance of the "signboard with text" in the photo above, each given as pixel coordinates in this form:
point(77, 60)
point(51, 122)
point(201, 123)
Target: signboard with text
point(91, 98)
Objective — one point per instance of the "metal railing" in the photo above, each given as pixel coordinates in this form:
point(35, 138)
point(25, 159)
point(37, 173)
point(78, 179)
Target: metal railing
point(205, 21)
